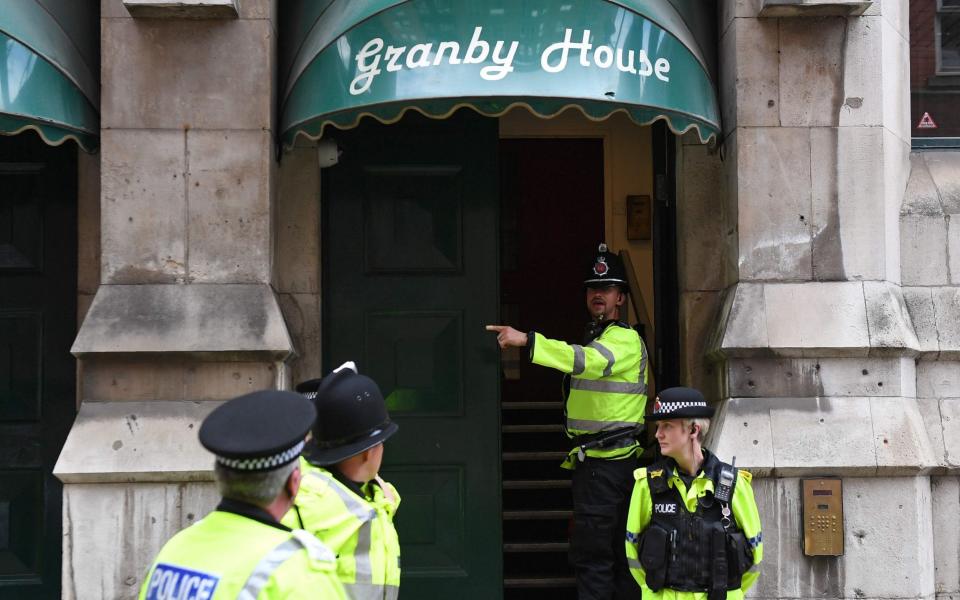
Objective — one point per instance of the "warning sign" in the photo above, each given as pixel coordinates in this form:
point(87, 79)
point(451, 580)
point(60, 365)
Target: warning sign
point(926, 122)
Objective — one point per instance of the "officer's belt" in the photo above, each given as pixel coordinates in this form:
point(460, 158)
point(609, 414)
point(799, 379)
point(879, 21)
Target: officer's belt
point(620, 438)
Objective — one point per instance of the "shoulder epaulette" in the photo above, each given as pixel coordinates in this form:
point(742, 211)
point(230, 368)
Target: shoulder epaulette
point(657, 476)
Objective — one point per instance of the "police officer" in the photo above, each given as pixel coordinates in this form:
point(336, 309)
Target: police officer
point(693, 531)
point(604, 409)
point(343, 501)
point(240, 550)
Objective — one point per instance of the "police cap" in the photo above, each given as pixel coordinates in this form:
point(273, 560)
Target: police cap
point(260, 431)
point(680, 403)
point(606, 268)
point(351, 415)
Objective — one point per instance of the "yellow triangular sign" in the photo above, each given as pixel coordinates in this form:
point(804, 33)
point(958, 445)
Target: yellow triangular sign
point(926, 122)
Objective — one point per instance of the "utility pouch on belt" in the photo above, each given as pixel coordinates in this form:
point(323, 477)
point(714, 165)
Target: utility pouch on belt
point(739, 559)
point(718, 568)
point(654, 555)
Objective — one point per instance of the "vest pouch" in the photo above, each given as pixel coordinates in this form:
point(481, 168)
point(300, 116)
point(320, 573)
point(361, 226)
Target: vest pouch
point(739, 558)
point(654, 555)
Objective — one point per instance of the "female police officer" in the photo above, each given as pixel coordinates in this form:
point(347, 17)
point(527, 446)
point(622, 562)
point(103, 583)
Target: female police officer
point(693, 531)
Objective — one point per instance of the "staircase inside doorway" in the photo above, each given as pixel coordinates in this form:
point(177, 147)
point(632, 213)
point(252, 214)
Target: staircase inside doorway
point(536, 502)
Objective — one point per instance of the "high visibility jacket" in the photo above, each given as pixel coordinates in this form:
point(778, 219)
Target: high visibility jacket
point(226, 556)
point(608, 382)
point(358, 529)
point(745, 516)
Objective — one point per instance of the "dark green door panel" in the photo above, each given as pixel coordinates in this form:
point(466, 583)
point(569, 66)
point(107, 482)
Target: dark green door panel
point(37, 323)
point(410, 279)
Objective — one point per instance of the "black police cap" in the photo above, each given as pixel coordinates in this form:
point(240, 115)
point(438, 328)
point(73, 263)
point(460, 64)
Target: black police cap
point(606, 268)
point(351, 416)
point(680, 403)
point(260, 431)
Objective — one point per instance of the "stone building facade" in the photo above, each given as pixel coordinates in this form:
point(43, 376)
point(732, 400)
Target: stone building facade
point(817, 266)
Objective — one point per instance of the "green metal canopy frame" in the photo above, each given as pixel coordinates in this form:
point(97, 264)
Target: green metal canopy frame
point(46, 84)
point(382, 58)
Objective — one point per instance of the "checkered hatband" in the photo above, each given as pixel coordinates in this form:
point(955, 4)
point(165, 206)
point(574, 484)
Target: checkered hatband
point(263, 463)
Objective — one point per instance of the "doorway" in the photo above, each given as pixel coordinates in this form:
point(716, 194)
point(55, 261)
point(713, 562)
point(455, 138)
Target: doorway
point(431, 230)
point(552, 219)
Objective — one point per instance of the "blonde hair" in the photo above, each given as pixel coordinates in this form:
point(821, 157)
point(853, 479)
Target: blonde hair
point(702, 423)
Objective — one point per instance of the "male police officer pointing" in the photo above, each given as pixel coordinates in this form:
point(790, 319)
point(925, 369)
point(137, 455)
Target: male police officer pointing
point(241, 550)
point(693, 532)
point(605, 405)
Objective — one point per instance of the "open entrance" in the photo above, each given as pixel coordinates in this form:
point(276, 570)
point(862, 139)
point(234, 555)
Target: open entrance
point(552, 218)
point(433, 229)
point(567, 184)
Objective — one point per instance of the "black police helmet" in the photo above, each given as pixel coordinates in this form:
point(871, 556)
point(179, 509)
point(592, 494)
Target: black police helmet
point(606, 269)
point(351, 416)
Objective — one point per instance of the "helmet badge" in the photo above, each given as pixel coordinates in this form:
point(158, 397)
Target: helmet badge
point(600, 267)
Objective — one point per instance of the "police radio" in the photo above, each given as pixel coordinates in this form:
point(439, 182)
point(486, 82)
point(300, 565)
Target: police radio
point(728, 475)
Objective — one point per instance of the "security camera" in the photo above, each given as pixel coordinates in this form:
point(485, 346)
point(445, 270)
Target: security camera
point(328, 153)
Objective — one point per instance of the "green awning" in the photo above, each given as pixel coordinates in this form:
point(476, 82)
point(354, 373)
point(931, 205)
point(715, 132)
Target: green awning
point(343, 60)
point(48, 70)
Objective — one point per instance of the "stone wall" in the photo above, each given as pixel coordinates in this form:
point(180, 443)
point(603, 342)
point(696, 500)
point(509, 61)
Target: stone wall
point(299, 257)
point(176, 282)
point(930, 250)
point(821, 337)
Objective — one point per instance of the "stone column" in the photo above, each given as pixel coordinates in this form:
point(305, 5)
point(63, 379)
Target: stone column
point(816, 347)
point(185, 315)
point(930, 251)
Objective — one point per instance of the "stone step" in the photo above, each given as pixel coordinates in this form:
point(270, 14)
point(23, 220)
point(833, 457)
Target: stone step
point(536, 547)
point(536, 515)
point(536, 484)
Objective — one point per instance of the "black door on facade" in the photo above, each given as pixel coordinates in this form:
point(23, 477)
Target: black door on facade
point(410, 278)
point(38, 290)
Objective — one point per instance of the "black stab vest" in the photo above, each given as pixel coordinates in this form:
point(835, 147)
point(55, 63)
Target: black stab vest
point(691, 552)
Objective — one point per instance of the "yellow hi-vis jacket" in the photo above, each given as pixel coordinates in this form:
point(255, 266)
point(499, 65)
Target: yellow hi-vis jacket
point(608, 383)
point(744, 509)
point(226, 556)
point(359, 530)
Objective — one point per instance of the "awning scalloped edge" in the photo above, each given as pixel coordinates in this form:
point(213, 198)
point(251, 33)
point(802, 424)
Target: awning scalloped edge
point(358, 115)
point(57, 140)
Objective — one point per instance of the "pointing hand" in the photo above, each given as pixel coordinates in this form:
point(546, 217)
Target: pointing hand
point(508, 336)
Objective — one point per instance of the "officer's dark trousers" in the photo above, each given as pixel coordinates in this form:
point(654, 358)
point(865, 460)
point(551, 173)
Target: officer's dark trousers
point(601, 494)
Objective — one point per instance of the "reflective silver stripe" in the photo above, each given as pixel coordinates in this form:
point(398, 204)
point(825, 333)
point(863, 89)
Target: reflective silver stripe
point(579, 360)
point(355, 505)
point(361, 555)
point(265, 568)
point(597, 426)
point(612, 387)
point(605, 352)
point(364, 591)
point(643, 362)
point(371, 591)
point(634, 563)
point(366, 514)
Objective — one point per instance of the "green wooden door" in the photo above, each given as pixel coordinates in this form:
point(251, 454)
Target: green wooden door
point(38, 287)
point(410, 279)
